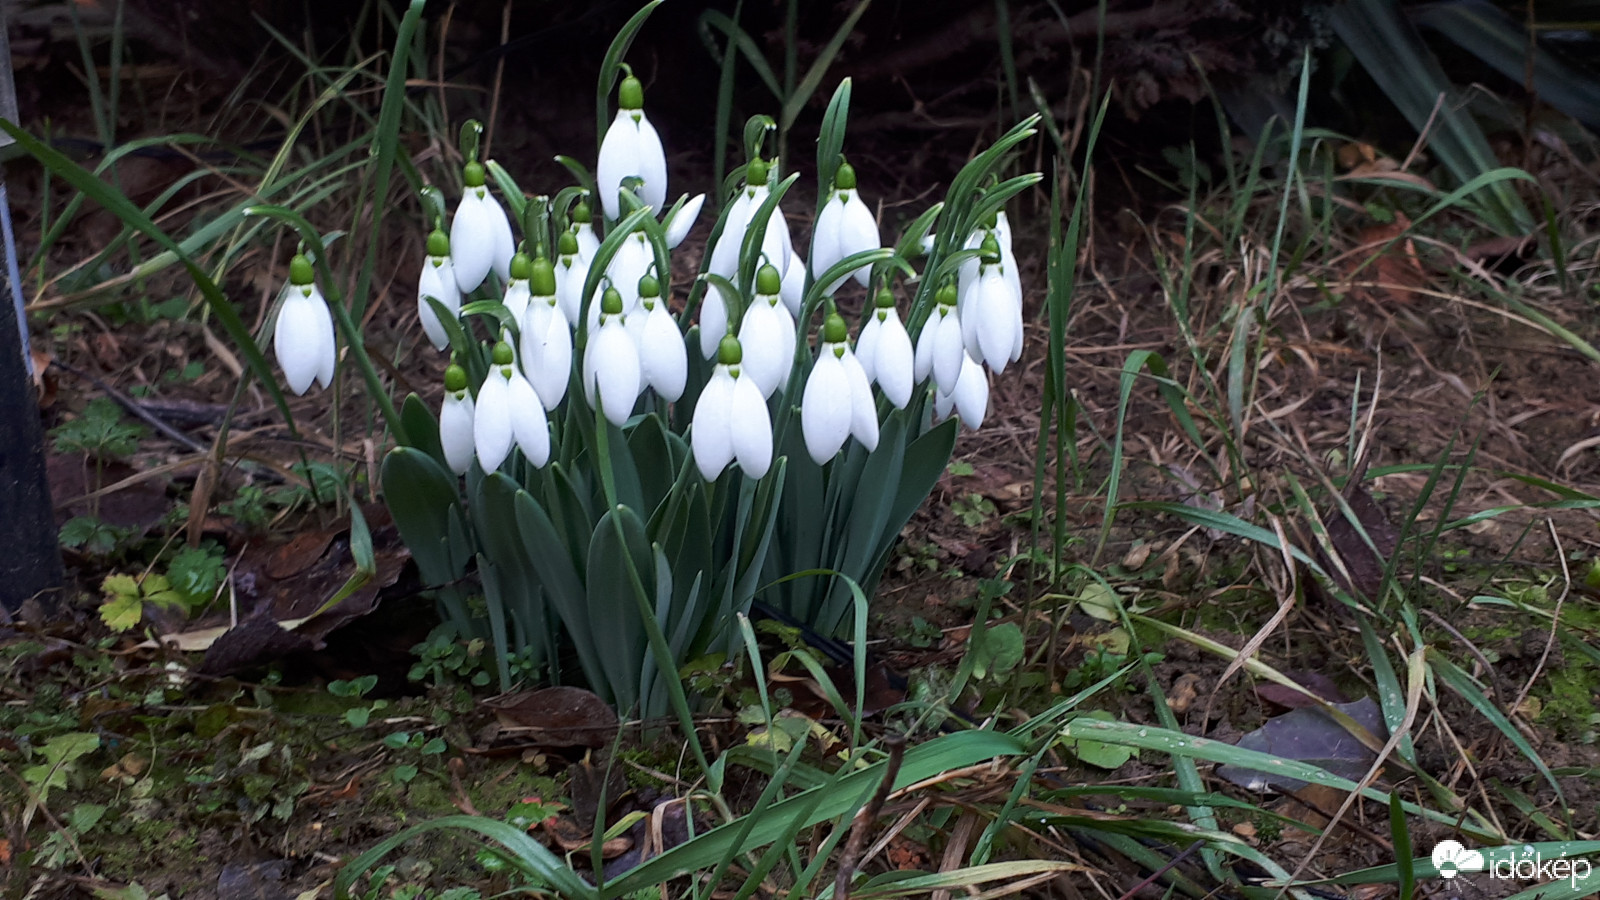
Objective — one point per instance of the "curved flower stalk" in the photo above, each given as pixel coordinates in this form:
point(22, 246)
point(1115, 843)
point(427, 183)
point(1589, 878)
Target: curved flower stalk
point(571, 270)
point(546, 336)
point(970, 399)
point(837, 402)
point(455, 421)
point(663, 357)
point(303, 338)
point(844, 226)
point(631, 149)
point(612, 374)
point(940, 347)
point(776, 244)
point(438, 280)
point(884, 349)
point(731, 421)
point(480, 234)
point(508, 410)
point(768, 330)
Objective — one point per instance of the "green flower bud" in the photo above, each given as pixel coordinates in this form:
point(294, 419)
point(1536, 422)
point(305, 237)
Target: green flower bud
point(649, 287)
point(631, 94)
point(455, 378)
point(611, 302)
point(581, 213)
point(729, 353)
point(300, 270)
point(755, 174)
point(541, 277)
point(521, 267)
point(946, 295)
point(834, 331)
point(567, 244)
point(438, 243)
point(989, 250)
point(768, 281)
point(502, 354)
point(472, 174)
point(845, 178)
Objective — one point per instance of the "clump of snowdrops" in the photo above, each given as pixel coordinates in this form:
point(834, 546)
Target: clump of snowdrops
point(626, 463)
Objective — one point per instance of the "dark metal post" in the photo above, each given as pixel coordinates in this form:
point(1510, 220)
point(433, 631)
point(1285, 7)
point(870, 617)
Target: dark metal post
point(30, 558)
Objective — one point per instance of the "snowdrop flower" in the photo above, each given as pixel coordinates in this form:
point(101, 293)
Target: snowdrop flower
point(612, 375)
point(455, 421)
point(631, 148)
point(663, 357)
point(517, 295)
point(794, 284)
point(631, 263)
point(970, 399)
point(583, 229)
point(845, 226)
point(508, 410)
point(480, 234)
point(768, 330)
point(572, 270)
point(837, 402)
point(438, 280)
point(681, 220)
point(940, 347)
point(731, 421)
point(713, 321)
point(303, 337)
point(546, 336)
point(884, 349)
point(991, 314)
point(776, 244)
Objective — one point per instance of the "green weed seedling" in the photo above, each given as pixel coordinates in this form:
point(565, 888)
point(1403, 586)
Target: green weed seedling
point(101, 434)
point(445, 657)
point(358, 715)
point(414, 742)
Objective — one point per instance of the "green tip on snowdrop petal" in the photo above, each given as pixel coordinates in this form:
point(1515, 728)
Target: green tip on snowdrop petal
point(885, 299)
point(729, 353)
point(755, 174)
point(768, 281)
point(946, 295)
point(582, 214)
point(845, 178)
point(567, 244)
point(990, 249)
point(631, 94)
point(472, 174)
point(502, 354)
point(455, 379)
point(541, 277)
point(438, 243)
point(611, 302)
point(521, 267)
point(649, 287)
point(834, 330)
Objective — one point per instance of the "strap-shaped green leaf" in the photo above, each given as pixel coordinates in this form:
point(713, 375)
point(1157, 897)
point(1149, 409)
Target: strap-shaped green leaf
point(421, 494)
point(618, 546)
point(422, 429)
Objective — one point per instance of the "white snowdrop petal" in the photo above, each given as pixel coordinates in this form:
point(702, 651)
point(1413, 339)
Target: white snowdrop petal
point(327, 348)
point(894, 363)
point(863, 409)
point(858, 231)
point(713, 322)
point(663, 358)
point(750, 428)
point(652, 162)
point(505, 246)
point(793, 290)
point(588, 242)
point(710, 436)
point(528, 424)
point(968, 308)
point(472, 241)
point(922, 361)
point(491, 422)
point(546, 352)
point(438, 280)
point(619, 158)
point(761, 338)
point(455, 432)
point(725, 252)
point(516, 299)
point(295, 342)
point(866, 344)
point(611, 370)
point(570, 277)
point(678, 227)
point(825, 408)
point(994, 328)
point(631, 263)
point(825, 243)
point(948, 351)
point(971, 395)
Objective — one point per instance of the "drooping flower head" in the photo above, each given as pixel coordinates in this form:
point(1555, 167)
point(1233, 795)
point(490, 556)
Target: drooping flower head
point(583, 229)
point(681, 221)
point(845, 226)
point(837, 402)
point(546, 336)
point(612, 376)
point(508, 411)
point(303, 337)
point(991, 313)
point(631, 149)
point(939, 346)
point(731, 421)
point(884, 349)
point(455, 421)
point(480, 233)
point(438, 280)
point(776, 244)
point(572, 270)
point(767, 332)
point(663, 358)
point(517, 295)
